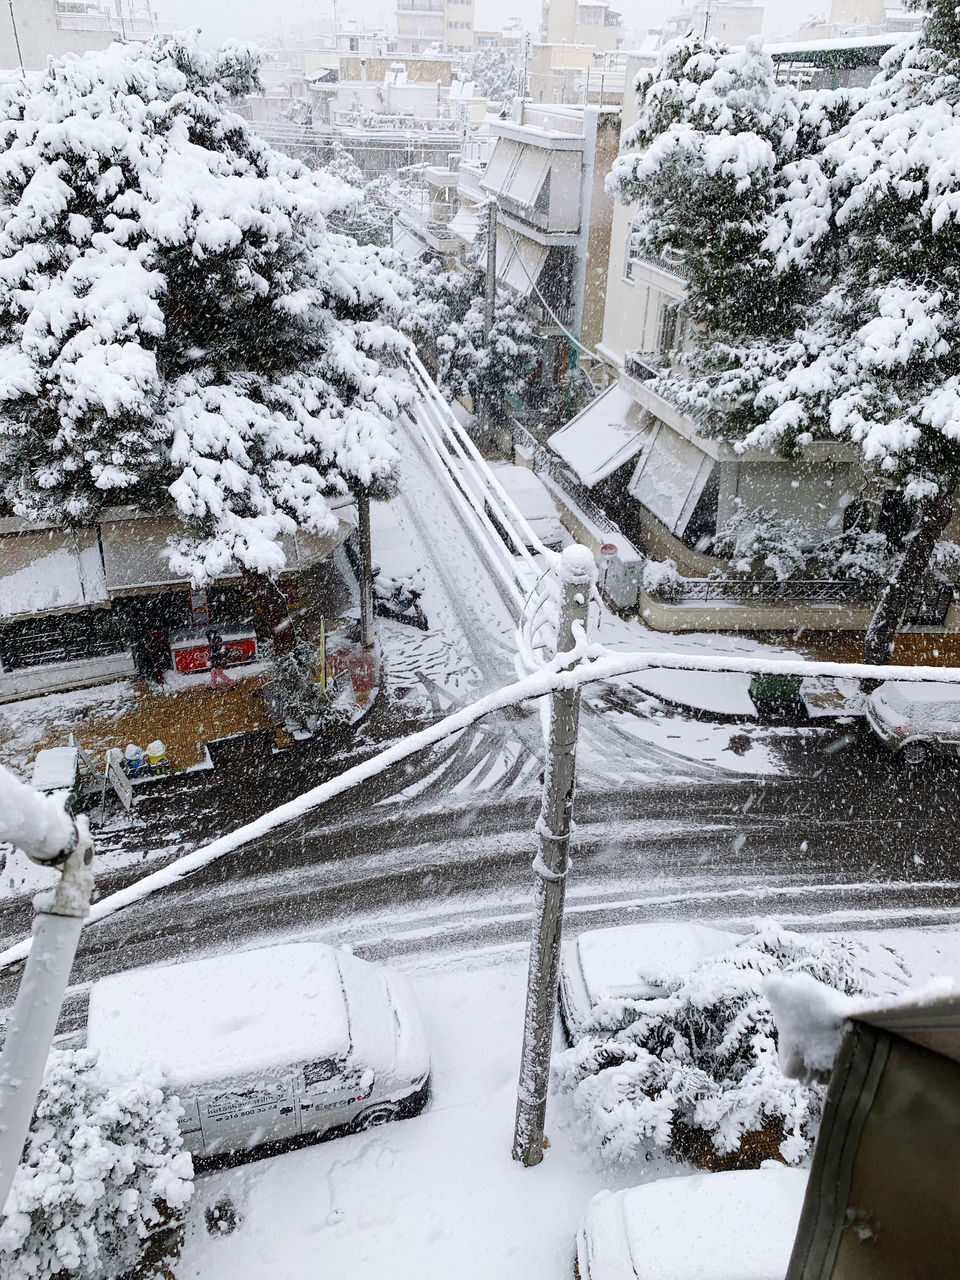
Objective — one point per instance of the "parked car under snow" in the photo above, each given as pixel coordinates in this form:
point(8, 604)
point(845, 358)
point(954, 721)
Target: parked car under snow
point(725, 1226)
point(269, 1048)
point(633, 961)
point(532, 499)
point(916, 719)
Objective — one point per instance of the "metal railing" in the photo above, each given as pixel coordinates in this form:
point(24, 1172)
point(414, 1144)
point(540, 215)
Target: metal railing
point(764, 591)
point(670, 261)
point(546, 463)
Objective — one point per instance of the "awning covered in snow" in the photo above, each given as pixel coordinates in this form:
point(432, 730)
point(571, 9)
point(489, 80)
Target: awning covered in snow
point(603, 437)
point(528, 175)
point(670, 477)
point(406, 243)
point(519, 261)
point(46, 570)
point(466, 222)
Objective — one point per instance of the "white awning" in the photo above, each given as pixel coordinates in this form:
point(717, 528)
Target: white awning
point(465, 223)
point(48, 570)
point(670, 477)
point(524, 182)
point(519, 261)
point(406, 243)
point(609, 432)
point(500, 165)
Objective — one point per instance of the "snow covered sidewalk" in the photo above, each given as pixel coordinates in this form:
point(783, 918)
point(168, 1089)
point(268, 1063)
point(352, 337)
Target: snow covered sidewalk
point(433, 1197)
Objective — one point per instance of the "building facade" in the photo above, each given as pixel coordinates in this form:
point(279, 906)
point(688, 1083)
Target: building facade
point(31, 31)
point(445, 25)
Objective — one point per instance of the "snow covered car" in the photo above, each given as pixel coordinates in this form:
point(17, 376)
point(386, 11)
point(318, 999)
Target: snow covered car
point(532, 499)
point(269, 1048)
point(632, 961)
point(916, 719)
point(725, 1226)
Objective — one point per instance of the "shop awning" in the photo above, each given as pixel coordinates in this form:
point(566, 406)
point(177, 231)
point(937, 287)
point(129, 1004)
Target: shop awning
point(46, 571)
point(670, 477)
point(603, 437)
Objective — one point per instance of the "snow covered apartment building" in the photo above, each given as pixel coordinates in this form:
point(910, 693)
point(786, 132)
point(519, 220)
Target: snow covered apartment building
point(631, 471)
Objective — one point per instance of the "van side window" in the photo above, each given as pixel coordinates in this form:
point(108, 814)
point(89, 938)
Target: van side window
point(320, 1072)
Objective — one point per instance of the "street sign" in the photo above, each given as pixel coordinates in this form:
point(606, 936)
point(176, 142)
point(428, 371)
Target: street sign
point(117, 779)
point(608, 550)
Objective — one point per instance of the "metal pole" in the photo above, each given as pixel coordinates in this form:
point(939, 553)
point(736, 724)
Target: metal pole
point(489, 310)
point(366, 570)
point(30, 1031)
point(550, 867)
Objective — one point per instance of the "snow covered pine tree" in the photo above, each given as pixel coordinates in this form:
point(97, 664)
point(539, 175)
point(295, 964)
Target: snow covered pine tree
point(179, 328)
point(820, 238)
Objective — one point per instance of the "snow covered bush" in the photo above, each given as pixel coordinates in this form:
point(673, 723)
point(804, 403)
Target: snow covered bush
point(695, 1072)
point(662, 580)
point(180, 329)
point(296, 686)
point(102, 1172)
point(760, 541)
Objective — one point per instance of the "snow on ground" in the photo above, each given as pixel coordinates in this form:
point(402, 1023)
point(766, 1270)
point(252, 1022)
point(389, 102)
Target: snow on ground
point(435, 1196)
point(24, 725)
point(439, 1195)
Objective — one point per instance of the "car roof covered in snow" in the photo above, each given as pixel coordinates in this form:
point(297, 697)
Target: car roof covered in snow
point(221, 1017)
point(637, 960)
point(928, 696)
point(728, 1226)
point(526, 489)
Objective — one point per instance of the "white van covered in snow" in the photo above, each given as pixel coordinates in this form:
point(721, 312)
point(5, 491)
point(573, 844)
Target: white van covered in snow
point(266, 1048)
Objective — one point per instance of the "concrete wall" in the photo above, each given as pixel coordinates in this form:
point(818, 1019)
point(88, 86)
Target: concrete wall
point(600, 220)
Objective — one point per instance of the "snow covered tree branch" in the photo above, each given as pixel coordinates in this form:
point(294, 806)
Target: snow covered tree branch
point(178, 324)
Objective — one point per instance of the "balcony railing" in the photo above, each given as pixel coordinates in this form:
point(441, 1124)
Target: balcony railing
point(642, 365)
point(72, 21)
point(668, 260)
point(761, 591)
point(547, 463)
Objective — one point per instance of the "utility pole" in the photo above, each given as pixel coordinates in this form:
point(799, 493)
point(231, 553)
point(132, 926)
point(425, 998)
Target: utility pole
point(489, 309)
point(550, 867)
point(366, 569)
point(49, 836)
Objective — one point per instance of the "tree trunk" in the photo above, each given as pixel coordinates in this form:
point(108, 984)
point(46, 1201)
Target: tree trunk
point(933, 517)
point(272, 604)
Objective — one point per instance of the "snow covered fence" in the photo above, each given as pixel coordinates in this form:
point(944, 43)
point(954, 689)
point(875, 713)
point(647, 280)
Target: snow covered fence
point(585, 664)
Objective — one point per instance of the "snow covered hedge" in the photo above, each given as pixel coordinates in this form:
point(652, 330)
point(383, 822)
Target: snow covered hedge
point(695, 1072)
point(102, 1171)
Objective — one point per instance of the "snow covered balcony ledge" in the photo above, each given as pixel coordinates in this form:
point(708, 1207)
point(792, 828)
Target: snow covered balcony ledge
point(33, 681)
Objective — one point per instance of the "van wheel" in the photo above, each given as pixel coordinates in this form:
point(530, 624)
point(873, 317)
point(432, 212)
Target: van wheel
point(376, 1116)
point(914, 754)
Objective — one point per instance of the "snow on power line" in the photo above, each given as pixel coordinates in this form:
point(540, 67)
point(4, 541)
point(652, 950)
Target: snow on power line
point(593, 663)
